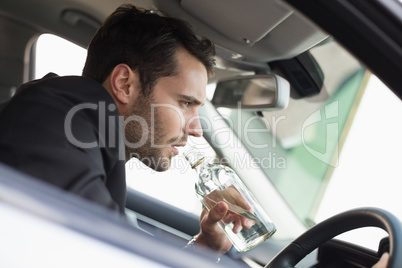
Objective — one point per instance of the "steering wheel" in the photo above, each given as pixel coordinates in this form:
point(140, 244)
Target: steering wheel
point(338, 224)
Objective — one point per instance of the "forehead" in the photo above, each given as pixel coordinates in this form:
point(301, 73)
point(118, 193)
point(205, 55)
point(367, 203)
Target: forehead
point(190, 80)
point(192, 77)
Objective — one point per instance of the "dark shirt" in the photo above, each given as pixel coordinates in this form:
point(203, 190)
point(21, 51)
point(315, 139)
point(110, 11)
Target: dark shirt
point(66, 131)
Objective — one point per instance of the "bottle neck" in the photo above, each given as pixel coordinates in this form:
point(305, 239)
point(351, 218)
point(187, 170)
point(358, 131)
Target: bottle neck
point(194, 157)
point(198, 163)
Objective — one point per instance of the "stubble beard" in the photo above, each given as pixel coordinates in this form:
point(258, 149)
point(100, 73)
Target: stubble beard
point(151, 153)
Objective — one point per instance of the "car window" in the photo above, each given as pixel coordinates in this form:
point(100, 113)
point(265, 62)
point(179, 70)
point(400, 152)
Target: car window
point(57, 55)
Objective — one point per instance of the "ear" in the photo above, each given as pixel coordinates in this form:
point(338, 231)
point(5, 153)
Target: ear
point(124, 84)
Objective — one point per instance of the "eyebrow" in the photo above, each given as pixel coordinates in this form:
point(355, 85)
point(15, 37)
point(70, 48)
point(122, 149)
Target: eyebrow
point(191, 99)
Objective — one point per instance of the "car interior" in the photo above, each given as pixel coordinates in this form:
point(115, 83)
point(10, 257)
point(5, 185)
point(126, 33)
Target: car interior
point(318, 55)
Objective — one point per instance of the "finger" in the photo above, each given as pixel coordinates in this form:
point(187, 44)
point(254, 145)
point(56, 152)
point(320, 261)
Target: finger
point(382, 263)
point(247, 223)
point(241, 222)
point(217, 213)
point(240, 201)
point(237, 227)
point(238, 198)
point(238, 220)
point(229, 217)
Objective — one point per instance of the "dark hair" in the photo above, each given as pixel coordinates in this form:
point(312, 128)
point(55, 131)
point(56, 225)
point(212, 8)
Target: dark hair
point(145, 41)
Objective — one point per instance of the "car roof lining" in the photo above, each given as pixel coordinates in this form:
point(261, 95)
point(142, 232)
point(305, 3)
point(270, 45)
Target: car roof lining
point(267, 41)
point(271, 43)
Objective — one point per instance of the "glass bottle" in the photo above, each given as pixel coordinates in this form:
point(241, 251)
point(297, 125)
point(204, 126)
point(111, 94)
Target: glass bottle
point(246, 224)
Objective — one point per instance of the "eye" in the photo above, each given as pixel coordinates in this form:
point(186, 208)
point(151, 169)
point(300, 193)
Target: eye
point(186, 103)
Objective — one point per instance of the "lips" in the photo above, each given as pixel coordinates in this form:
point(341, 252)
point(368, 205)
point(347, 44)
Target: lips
point(174, 148)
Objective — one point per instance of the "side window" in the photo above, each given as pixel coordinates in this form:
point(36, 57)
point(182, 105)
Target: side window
point(57, 55)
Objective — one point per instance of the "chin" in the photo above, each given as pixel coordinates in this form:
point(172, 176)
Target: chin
point(162, 166)
point(163, 162)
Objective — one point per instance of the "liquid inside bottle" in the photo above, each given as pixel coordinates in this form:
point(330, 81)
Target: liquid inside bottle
point(246, 224)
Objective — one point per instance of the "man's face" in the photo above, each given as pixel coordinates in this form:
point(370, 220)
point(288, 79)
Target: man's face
point(163, 121)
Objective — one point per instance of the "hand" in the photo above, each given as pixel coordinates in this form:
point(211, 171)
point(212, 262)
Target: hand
point(211, 235)
point(237, 207)
point(226, 206)
point(382, 263)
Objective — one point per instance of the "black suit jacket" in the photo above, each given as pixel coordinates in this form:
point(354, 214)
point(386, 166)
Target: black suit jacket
point(66, 131)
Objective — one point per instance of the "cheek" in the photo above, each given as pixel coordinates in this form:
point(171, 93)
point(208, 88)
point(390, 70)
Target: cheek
point(172, 119)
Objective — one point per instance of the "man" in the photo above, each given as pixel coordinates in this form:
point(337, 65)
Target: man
point(143, 82)
point(146, 75)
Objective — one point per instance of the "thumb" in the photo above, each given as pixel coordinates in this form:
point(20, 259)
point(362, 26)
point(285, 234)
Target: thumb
point(382, 263)
point(217, 212)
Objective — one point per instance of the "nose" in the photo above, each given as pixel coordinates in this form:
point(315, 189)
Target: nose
point(193, 126)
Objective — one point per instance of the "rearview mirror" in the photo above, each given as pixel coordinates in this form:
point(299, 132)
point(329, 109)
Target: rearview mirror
point(257, 92)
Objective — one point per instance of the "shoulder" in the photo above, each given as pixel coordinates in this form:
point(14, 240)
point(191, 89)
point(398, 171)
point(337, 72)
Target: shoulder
point(83, 88)
point(58, 93)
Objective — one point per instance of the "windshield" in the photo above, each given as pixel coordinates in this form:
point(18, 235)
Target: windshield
point(331, 152)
